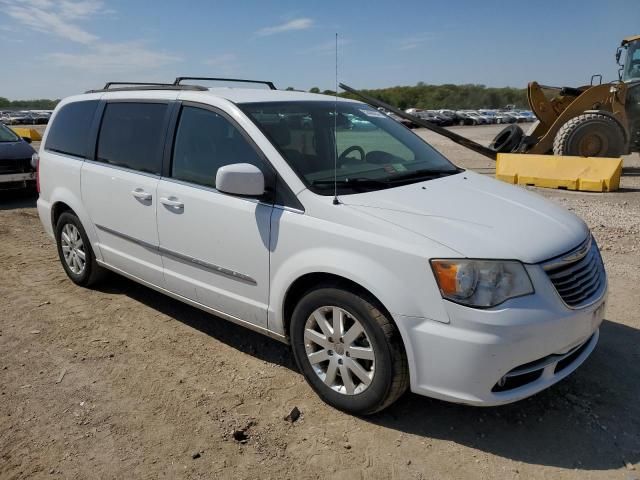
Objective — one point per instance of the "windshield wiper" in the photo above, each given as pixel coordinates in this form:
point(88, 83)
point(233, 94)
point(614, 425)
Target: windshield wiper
point(423, 173)
point(351, 182)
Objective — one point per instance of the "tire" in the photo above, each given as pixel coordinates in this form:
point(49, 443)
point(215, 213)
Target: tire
point(66, 238)
point(590, 135)
point(388, 372)
point(507, 140)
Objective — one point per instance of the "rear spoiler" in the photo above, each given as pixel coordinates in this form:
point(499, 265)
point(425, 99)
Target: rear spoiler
point(459, 139)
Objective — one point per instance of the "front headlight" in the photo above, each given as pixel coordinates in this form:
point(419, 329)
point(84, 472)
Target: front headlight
point(481, 283)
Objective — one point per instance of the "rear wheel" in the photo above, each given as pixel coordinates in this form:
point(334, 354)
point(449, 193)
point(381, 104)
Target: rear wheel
point(590, 135)
point(75, 252)
point(349, 352)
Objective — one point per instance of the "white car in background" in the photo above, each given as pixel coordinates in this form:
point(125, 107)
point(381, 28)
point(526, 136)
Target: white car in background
point(381, 263)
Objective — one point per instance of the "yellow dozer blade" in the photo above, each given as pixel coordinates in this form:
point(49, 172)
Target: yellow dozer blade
point(588, 174)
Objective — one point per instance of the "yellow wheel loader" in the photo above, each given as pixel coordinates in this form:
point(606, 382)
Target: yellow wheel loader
point(600, 120)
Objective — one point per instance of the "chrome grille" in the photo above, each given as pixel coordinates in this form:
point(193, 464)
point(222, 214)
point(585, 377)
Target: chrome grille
point(579, 275)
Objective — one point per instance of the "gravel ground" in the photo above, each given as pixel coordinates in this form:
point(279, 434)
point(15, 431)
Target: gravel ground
point(122, 382)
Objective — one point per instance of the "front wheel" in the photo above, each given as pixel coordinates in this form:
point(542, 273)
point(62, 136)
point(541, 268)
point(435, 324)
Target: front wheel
point(590, 135)
point(349, 352)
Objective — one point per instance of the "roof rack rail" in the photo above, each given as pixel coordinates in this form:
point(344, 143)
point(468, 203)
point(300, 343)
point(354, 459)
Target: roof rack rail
point(215, 79)
point(130, 86)
point(108, 84)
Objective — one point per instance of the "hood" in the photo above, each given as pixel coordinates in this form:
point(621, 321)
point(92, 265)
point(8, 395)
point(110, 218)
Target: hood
point(478, 217)
point(15, 150)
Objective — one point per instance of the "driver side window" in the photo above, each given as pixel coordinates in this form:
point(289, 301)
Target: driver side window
point(206, 141)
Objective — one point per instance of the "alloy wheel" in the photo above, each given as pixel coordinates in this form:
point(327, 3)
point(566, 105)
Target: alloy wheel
point(73, 249)
point(339, 350)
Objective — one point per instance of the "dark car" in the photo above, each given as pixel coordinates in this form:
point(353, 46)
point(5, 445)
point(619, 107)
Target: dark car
point(434, 118)
point(17, 169)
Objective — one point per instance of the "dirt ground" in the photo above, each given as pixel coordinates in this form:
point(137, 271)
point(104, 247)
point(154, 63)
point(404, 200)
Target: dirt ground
point(122, 382)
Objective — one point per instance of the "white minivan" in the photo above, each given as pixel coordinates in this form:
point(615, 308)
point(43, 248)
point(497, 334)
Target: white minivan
point(325, 224)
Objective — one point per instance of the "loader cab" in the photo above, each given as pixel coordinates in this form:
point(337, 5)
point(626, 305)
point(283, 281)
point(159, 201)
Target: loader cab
point(629, 51)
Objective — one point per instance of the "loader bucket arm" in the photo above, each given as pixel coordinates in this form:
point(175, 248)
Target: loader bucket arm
point(540, 105)
point(459, 139)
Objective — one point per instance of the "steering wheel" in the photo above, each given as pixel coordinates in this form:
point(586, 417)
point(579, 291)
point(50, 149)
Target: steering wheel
point(342, 159)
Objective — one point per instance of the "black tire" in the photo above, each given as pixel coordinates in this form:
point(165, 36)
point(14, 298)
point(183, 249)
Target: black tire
point(92, 272)
point(507, 140)
point(590, 135)
point(391, 374)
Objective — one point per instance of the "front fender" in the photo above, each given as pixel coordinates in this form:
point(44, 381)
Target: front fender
point(405, 286)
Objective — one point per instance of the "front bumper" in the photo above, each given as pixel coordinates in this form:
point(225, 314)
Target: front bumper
point(501, 355)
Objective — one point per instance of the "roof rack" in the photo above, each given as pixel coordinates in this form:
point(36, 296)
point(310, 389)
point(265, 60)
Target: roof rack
point(126, 86)
point(214, 79)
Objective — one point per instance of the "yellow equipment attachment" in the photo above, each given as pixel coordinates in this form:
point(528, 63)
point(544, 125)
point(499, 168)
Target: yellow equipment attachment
point(31, 133)
point(588, 174)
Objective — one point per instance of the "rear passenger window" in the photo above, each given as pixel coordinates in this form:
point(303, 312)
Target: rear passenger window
point(132, 135)
point(206, 141)
point(69, 133)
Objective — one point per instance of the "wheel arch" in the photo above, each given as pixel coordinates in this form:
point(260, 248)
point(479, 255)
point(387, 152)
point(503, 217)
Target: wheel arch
point(314, 280)
point(63, 200)
point(57, 209)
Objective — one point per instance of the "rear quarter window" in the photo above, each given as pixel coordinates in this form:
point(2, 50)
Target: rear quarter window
point(69, 133)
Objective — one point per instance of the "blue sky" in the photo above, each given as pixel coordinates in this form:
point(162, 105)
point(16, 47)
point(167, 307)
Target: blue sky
point(54, 48)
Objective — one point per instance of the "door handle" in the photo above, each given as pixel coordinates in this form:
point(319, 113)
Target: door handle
point(171, 202)
point(140, 194)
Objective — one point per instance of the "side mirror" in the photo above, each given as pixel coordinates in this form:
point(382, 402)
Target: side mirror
point(618, 55)
point(27, 139)
point(240, 179)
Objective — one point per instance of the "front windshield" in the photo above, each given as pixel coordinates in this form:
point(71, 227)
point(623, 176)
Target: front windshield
point(7, 135)
point(371, 150)
point(632, 64)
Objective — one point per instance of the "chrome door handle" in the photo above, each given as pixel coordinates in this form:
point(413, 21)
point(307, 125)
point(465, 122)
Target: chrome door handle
point(171, 202)
point(140, 194)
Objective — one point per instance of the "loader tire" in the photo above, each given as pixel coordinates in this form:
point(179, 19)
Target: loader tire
point(507, 140)
point(590, 135)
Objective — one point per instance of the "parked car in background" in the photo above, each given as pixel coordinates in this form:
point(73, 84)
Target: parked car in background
point(464, 118)
point(434, 118)
point(16, 118)
point(17, 161)
point(516, 116)
point(529, 116)
point(452, 116)
point(501, 117)
point(480, 120)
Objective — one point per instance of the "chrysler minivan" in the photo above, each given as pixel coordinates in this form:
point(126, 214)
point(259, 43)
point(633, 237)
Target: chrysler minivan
point(327, 225)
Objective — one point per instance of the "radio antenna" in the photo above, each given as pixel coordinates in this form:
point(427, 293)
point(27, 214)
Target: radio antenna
point(335, 134)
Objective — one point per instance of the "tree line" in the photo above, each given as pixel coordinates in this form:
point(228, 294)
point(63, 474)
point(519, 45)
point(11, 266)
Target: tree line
point(36, 104)
point(434, 97)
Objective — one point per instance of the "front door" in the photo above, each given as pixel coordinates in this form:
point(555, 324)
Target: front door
point(214, 246)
